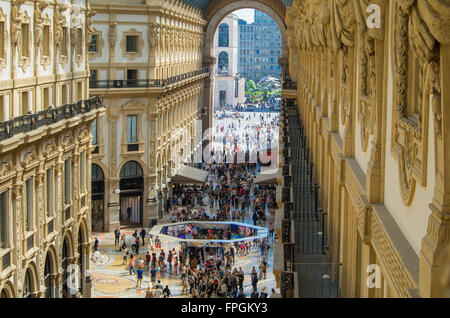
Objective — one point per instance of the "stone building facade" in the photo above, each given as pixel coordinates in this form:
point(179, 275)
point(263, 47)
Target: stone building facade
point(45, 138)
point(259, 48)
point(229, 86)
point(373, 97)
point(146, 61)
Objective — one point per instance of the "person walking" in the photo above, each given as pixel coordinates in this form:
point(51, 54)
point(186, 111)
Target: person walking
point(96, 245)
point(129, 211)
point(131, 264)
point(241, 277)
point(143, 233)
point(140, 275)
point(125, 253)
point(117, 236)
point(136, 245)
point(184, 283)
point(254, 276)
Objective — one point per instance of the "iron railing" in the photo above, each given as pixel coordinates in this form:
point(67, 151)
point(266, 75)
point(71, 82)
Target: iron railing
point(145, 83)
point(29, 122)
point(307, 256)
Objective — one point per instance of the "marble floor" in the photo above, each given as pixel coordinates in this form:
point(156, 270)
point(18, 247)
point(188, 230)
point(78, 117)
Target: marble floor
point(111, 278)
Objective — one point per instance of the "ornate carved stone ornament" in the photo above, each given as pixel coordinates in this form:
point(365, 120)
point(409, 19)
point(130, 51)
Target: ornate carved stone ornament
point(66, 141)
point(367, 73)
point(43, 34)
point(140, 44)
point(153, 36)
point(6, 168)
point(343, 23)
point(76, 34)
point(24, 46)
point(415, 53)
point(16, 21)
point(112, 35)
point(89, 28)
point(49, 149)
point(4, 36)
point(100, 44)
point(61, 39)
point(28, 158)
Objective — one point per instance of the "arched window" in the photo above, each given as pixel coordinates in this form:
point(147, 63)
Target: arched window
point(131, 170)
point(47, 278)
point(224, 35)
point(223, 62)
point(27, 285)
point(97, 173)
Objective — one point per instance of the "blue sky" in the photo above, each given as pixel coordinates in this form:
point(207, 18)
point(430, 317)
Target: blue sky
point(246, 14)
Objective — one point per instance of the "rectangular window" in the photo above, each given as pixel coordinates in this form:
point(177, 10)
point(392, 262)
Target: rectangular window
point(24, 103)
point(2, 39)
point(93, 45)
point(67, 181)
point(132, 43)
point(132, 129)
point(79, 44)
point(72, 181)
point(64, 42)
point(2, 108)
point(83, 171)
point(25, 39)
point(4, 219)
point(45, 98)
point(79, 91)
point(29, 205)
point(64, 95)
point(94, 132)
point(46, 41)
point(132, 77)
point(93, 75)
point(49, 179)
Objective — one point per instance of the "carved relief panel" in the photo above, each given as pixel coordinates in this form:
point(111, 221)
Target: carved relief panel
point(3, 39)
point(43, 34)
point(415, 60)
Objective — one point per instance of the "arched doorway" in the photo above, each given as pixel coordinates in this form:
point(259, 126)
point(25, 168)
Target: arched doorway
point(29, 287)
point(80, 257)
point(66, 255)
point(49, 274)
point(131, 194)
point(98, 199)
point(214, 13)
point(7, 291)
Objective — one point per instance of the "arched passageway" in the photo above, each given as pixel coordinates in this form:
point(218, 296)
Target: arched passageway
point(98, 199)
point(131, 193)
point(214, 13)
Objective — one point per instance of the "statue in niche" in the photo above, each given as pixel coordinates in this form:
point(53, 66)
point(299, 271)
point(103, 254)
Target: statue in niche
point(16, 20)
point(89, 28)
point(60, 21)
point(113, 34)
point(39, 22)
point(153, 36)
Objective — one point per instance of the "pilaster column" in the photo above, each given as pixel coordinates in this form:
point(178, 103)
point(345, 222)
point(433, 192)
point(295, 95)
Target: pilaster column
point(436, 244)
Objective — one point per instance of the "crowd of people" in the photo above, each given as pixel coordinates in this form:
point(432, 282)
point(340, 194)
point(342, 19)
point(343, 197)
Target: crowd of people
point(228, 194)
